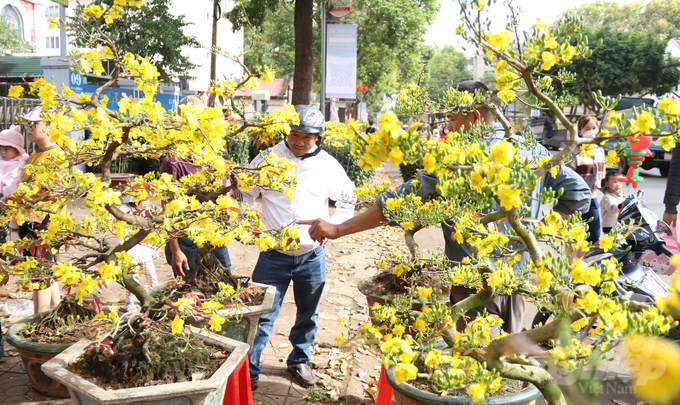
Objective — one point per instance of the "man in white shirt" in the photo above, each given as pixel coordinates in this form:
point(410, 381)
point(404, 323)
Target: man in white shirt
point(319, 178)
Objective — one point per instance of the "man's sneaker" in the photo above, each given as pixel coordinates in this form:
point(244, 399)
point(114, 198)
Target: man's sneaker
point(253, 385)
point(302, 374)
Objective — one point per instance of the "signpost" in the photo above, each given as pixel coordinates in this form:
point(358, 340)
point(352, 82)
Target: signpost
point(341, 68)
point(341, 61)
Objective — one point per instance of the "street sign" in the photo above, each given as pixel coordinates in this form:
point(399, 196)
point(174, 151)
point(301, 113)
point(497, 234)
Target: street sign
point(75, 81)
point(339, 8)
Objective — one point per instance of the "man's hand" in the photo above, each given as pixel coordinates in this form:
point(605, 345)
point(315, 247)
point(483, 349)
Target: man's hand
point(179, 263)
point(320, 230)
point(670, 219)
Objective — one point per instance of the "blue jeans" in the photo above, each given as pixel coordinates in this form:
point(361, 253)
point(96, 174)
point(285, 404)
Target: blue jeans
point(308, 274)
point(594, 225)
point(190, 250)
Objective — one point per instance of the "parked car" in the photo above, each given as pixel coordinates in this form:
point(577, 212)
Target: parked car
point(660, 158)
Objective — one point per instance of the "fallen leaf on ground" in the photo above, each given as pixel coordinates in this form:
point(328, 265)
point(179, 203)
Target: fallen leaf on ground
point(197, 376)
point(283, 345)
point(618, 402)
point(370, 392)
point(283, 333)
point(219, 355)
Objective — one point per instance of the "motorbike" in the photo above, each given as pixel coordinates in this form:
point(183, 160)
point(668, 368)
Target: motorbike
point(638, 281)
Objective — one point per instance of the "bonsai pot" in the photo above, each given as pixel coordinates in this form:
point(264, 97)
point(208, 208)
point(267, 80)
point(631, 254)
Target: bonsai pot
point(405, 394)
point(210, 391)
point(33, 355)
point(383, 299)
point(245, 328)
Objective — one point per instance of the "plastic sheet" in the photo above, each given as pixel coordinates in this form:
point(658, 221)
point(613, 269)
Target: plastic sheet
point(21, 308)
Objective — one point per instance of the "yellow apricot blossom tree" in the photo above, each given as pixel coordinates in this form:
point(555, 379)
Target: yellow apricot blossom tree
point(91, 250)
point(484, 194)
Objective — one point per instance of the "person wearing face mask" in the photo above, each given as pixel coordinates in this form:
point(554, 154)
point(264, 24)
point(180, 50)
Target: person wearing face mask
point(592, 170)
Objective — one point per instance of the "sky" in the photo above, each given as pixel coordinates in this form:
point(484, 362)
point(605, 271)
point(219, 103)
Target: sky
point(442, 32)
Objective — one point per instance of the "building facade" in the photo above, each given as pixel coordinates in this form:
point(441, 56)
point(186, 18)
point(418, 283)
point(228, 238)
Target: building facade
point(29, 19)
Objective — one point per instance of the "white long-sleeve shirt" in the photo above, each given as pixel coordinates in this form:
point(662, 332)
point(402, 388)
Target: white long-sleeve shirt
point(319, 178)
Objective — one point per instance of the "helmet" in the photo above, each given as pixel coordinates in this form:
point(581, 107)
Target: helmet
point(311, 120)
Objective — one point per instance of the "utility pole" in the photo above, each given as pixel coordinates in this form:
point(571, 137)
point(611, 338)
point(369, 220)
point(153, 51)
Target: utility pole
point(217, 14)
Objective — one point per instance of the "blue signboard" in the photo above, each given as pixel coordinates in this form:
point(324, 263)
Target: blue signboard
point(168, 101)
point(75, 81)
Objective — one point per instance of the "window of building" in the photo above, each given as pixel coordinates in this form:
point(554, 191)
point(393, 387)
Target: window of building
point(52, 11)
point(12, 18)
point(52, 43)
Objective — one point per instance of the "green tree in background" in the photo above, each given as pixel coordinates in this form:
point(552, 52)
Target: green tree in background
point(12, 43)
point(627, 63)
point(256, 13)
point(448, 66)
point(658, 17)
point(390, 42)
point(154, 32)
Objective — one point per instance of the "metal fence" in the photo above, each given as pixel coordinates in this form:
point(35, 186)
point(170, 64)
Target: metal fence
point(10, 109)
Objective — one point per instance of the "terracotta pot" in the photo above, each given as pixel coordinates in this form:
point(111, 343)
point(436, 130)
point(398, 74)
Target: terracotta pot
point(405, 394)
point(34, 355)
point(210, 391)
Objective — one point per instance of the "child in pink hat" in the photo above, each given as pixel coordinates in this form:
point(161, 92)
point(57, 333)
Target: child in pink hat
point(13, 157)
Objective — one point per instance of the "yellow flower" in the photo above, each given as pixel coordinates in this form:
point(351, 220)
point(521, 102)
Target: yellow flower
point(543, 279)
point(15, 91)
point(666, 142)
point(509, 196)
point(612, 158)
point(606, 242)
point(644, 122)
point(424, 292)
point(506, 95)
point(549, 60)
point(419, 324)
point(614, 118)
point(398, 330)
point(407, 226)
point(499, 41)
point(539, 25)
point(495, 385)
point(477, 391)
point(669, 105)
point(429, 162)
point(405, 372)
point(656, 362)
point(183, 304)
point(502, 152)
point(396, 157)
point(568, 53)
point(578, 325)
point(339, 339)
point(550, 41)
point(216, 322)
point(176, 325)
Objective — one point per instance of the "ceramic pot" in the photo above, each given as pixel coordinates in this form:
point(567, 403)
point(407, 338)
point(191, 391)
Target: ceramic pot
point(210, 391)
point(405, 394)
point(34, 355)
